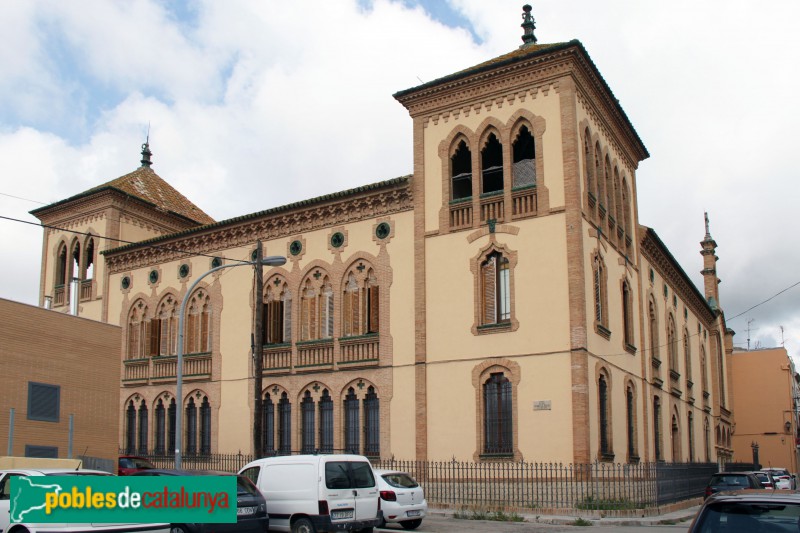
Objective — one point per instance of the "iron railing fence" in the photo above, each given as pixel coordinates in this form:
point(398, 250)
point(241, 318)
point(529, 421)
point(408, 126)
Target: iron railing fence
point(554, 488)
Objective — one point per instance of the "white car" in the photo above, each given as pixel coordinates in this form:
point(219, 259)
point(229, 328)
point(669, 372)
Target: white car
point(402, 499)
point(5, 506)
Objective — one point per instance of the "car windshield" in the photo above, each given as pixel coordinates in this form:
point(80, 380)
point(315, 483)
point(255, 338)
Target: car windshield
point(348, 475)
point(245, 486)
point(747, 517)
point(730, 479)
point(400, 481)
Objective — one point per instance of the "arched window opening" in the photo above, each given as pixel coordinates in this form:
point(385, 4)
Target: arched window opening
point(61, 265)
point(598, 172)
point(495, 289)
point(307, 412)
point(630, 416)
point(721, 368)
point(524, 149)
point(605, 426)
point(268, 439)
point(159, 446)
point(627, 315)
point(461, 169)
point(143, 428)
point(88, 261)
point(498, 429)
point(657, 429)
point(205, 426)
point(191, 427)
point(653, 327)
point(600, 293)
point(609, 189)
point(588, 164)
point(361, 303)
point(492, 165)
point(165, 328)
point(690, 429)
point(316, 313)
point(704, 370)
point(277, 313)
point(618, 211)
point(707, 440)
point(352, 425)
point(326, 423)
point(130, 429)
point(676, 440)
point(198, 332)
point(687, 357)
point(75, 265)
point(372, 424)
point(136, 331)
point(171, 417)
point(285, 425)
point(672, 347)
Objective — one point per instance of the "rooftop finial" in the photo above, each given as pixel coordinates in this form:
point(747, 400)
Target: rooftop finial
point(528, 38)
point(708, 233)
point(146, 153)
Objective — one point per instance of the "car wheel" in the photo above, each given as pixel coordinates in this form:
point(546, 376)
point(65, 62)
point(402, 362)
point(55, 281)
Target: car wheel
point(303, 525)
point(178, 528)
point(411, 524)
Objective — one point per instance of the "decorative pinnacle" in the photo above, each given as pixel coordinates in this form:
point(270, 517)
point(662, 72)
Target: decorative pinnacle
point(528, 38)
point(708, 233)
point(146, 153)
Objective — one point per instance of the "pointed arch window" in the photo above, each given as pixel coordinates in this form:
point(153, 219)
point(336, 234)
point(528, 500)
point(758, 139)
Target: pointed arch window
point(277, 312)
point(598, 172)
point(524, 150)
point(609, 192)
point(720, 367)
point(627, 316)
point(498, 419)
point(75, 264)
point(198, 333)
point(268, 442)
point(284, 425)
point(171, 412)
point(659, 454)
point(492, 165)
point(672, 347)
point(205, 426)
point(676, 440)
point(372, 424)
point(599, 282)
point(130, 429)
point(326, 423)
point(191, 427)
point(690, 429)
point(653, 331)
point(87, 269)
point(627, 214)
point(606, 452)
point(704, 371)
point(588, 164)
point(630, 411)
point(352, 443)
point(61, 265)
point(361, 301)
point(165, 328)
point(707, 439)
point(160, 415)
point(143, 427)
point(307, 415)
point(618, 212)
point(138, 329)
point(495, 289)
point(687, 358)
point(461, 172)
point(316, 313)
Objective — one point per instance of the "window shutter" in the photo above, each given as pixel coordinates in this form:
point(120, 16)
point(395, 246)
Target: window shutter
point(374, 309)
point(490, 291)
point(304, 319)
point(191, 334)
point(154, 335)
point(204, 331)
point(163, 326)
point(286, 309)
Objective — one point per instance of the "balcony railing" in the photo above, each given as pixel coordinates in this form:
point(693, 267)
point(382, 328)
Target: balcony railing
point(359, 350)
point(136, 371)
point(313, 355)
point(59, 295)
point(524, 202)
point(87, 287)
point(461, 214)
point(164, 369)
point(493, 208)
point(276, 358)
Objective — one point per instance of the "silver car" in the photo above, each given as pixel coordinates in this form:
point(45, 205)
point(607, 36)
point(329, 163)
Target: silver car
point(402, 499)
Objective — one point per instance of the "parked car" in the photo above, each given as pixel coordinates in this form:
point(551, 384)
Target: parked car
point(251, 508)
point(5, 506)
point(732, 481)
point(402, 499)
point(130, 464)
point(783, 479)
point(748, 511)
point(309, 493)
point(766, 479)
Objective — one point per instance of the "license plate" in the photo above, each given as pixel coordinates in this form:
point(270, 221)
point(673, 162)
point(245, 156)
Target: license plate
point(341, 515)
point(413, 513)
point(245, 511)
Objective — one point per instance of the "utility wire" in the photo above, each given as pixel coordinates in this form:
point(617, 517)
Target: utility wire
point(21, 198)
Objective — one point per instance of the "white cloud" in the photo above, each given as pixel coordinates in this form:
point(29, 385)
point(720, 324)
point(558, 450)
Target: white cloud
point(254, 104)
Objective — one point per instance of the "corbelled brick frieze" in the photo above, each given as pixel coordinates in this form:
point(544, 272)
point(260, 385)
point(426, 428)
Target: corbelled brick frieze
point(267, 227)
point(661, 259)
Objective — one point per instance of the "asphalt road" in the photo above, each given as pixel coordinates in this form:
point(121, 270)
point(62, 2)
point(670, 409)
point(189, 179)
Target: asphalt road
point(445, 524)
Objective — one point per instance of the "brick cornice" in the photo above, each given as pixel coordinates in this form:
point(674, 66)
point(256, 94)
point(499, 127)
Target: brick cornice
point(266, 227)
point(657, 254)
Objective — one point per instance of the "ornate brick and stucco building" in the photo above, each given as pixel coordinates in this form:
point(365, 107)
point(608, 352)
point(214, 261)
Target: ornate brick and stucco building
point(501, 303)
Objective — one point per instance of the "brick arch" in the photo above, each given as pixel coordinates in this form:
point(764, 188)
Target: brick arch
point(480, 373)
point(475, 268)
point(488, 126)
point(602, 371)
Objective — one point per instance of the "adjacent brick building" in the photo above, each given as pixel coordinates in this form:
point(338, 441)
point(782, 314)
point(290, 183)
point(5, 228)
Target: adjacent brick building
point(501, 303)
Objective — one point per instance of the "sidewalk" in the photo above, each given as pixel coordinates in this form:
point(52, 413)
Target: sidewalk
point(682, 516)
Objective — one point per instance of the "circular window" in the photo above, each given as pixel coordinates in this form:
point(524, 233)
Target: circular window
point(337, 239)
point(253, 255)
point(296, 247)
point(126, 282)
point(383, 229)
point(153, 277)
point(183, 270)
point(216, 262)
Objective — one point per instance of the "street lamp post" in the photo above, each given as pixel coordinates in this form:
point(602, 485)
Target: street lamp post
point(275, 260)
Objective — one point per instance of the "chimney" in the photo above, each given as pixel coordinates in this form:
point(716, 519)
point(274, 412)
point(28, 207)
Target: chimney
point(74, 296)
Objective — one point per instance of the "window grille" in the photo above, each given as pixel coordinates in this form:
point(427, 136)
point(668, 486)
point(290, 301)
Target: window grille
point(307, 429)
point(605, 447)
point(160, 433)
point(372, 424)
point(497, 415)
point(143, 428)
point(130, 429)
point(285, 427)
point(352, 425)
point(205, 426)
point(631, 425)
point(269, 426)
point(191, 427)
point(171, 412)
point(326, 423)
point(657, 428)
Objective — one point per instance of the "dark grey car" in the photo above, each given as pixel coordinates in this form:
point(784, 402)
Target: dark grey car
point(251, 508)
point(749, 511)
point(732, 481)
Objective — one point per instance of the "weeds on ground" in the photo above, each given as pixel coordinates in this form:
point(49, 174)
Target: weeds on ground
point(481, 514)
point(581, 522)
point(590, 504)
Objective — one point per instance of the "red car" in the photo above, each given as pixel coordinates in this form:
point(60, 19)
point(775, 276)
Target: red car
point(129, 464)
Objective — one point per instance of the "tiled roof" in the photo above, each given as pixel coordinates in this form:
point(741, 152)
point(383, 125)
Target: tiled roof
point(145, 184)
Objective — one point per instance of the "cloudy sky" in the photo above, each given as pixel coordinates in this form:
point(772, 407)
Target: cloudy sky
point(242, 98)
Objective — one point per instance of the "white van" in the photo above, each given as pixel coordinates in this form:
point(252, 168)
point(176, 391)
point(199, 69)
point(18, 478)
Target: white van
point(309, 493)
